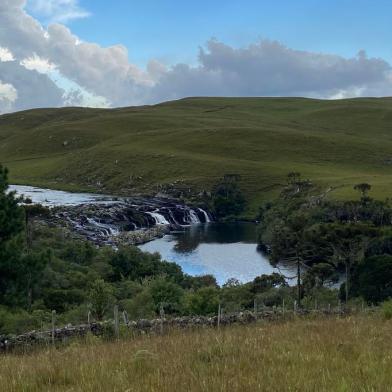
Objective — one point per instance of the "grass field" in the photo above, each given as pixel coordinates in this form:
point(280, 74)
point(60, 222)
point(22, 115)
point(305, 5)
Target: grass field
point(197, 140)
point(332, 354)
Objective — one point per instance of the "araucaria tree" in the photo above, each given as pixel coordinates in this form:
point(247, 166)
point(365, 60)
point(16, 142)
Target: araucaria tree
point(12, 224)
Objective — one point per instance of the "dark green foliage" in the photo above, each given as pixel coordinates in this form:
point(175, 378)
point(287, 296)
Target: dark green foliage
point(197, 282)
point(326, 236)
point(266, 282)
point(166, 294)
point(363, 188)
point(101, 298)
point(132, 263)
point(373, 279)
point(12, 224)
point(204, 301)
point(227, 197)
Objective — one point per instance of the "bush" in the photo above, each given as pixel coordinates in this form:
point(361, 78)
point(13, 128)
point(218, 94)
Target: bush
point(204, 301)
point(140, 306)
point(386, 308)
point(20, 321)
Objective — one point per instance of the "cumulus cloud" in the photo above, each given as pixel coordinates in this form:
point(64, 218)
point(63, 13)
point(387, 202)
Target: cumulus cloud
point(58, 11)
point(6, 55)
point(8, 96)
point(51, 66)
point(34, 90)
point(268, 68)
point(38, 64)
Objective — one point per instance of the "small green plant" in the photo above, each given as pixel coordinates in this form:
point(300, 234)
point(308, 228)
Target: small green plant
point(386, 308)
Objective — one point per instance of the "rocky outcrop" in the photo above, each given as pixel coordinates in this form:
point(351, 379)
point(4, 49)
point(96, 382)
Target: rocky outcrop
point(129, 221)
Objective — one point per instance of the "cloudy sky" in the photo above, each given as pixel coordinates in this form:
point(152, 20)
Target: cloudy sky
point(108, 54)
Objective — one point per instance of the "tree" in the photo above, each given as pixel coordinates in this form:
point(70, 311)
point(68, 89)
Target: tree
point(101, 297)
point(166, 294)
point(12, 224)
point(363, 188)
point(373, 279)
point(289, 244)
point(266, 282)
point(227, 197)
point(348, 243)
point(33, 264)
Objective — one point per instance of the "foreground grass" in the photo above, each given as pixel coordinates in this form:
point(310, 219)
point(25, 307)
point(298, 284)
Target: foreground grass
point(350, 354)
point(193, 142)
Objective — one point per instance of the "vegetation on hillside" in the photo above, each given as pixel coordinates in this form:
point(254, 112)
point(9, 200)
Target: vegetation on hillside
point(184, 147)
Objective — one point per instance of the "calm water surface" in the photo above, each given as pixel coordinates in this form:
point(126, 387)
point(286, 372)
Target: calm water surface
point(225, 250)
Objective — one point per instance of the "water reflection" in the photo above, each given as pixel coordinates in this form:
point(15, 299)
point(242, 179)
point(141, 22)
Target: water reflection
point(219, 233)
point(226, 251)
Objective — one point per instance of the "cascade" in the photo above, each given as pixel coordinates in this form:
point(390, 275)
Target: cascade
point(193, 217)
point(206, 217)
point(159, 218)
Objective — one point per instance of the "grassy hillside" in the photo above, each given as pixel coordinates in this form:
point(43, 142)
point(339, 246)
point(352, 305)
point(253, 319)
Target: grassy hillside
point(191, 142)
point(351, 354)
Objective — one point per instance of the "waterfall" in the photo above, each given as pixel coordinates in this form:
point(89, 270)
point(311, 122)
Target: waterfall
point(106, 229)
point(159, 218)
point(194, 218)
point(206, 217)
point(173, 217)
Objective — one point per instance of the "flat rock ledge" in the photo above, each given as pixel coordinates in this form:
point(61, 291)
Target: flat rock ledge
point(139, 237)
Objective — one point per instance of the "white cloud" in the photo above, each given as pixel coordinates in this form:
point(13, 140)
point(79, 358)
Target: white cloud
point(52, 67)
point(57, 11)
point(8, 92)
point(8, 95)
point(6, 55)
point(38, 64)
point(268, 68)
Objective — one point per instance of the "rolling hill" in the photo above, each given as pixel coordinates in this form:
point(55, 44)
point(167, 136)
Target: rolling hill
point(191, 142)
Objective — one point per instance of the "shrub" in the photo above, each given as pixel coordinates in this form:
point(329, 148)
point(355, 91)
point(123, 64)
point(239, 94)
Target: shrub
point(386, 308)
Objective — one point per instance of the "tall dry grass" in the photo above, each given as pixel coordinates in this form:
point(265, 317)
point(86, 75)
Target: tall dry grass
point(331, 354)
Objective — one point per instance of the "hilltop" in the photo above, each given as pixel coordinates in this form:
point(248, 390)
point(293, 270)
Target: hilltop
point(192, 142)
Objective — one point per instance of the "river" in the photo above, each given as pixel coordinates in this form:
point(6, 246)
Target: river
point(225, 250)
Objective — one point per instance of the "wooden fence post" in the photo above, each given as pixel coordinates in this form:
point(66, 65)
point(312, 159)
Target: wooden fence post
point(53, 325)
point(162, 315)
point(116, 322)
point(219, 315)
point(255, 308)
point(125, 317)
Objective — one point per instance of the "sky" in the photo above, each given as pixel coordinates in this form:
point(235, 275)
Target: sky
point(108, 54)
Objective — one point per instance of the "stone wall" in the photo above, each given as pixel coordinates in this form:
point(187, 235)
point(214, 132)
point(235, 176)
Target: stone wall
point(33, 338)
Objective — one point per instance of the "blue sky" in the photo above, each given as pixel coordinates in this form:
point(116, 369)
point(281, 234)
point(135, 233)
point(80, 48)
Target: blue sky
point(172, 30)
point(125, 52)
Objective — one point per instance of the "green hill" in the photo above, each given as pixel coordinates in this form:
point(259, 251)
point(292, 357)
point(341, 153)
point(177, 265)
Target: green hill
point(192, 142)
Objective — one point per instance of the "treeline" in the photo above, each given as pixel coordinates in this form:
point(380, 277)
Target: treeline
point(331, 241)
